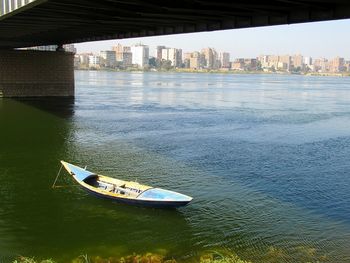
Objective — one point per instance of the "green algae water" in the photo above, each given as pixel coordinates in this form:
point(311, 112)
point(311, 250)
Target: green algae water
point(266, 158)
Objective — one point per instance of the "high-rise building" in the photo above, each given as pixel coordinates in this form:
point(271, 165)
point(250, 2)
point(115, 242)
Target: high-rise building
point(336, 64)
point(187, 59)
point(321, 64)
point(225, 59)
point(264, 61)
point(297, 61)
point(195, 60)
point(173, 55)
point(123, 54)
point(179, 58)
point(250, 63)
point(127, 59)
point(216, 60)
point(168, 54)
point(94, 61)
point(308, 61)
point(118, 48)
point(238, 64)
point(347, 66)
point(140, 55)
point(208, 57)
point(108, 58)
point(273, 61)
point(159, 52)
point(284, 62)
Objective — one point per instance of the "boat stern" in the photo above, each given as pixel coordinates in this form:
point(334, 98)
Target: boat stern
point(163, 197)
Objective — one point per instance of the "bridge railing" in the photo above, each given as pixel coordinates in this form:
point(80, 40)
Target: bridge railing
point(7, 6)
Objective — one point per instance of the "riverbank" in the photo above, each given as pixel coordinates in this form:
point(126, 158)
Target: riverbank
point(220, 71)
point(222, 255)
point(209, 257)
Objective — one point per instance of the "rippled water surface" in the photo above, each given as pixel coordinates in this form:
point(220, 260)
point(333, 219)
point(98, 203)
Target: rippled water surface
point(266, 158)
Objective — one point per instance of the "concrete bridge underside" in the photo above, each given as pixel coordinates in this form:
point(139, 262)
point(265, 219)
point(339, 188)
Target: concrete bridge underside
point(25, 23)
point(44, 22)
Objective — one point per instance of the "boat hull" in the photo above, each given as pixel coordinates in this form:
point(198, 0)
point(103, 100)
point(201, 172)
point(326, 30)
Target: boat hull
point(136, 202)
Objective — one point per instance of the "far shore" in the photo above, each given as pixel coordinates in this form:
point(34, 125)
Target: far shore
point(183, 70)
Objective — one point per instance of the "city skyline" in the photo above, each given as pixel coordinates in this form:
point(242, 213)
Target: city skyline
point(153, 50)
point(167, 58)
point(321, 39)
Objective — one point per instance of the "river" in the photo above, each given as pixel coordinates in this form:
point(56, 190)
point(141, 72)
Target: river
point(265, 157)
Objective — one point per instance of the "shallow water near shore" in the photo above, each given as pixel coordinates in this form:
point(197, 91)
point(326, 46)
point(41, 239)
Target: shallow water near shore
point(265, 157)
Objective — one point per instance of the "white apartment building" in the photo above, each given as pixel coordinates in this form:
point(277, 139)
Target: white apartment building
point(140, 55)
point(94, 61)
point(308, 61)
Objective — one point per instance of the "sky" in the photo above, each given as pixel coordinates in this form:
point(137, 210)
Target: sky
point(318, 39)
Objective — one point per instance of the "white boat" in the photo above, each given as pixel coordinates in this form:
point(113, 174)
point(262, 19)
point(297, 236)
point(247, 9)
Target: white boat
point(125, 191)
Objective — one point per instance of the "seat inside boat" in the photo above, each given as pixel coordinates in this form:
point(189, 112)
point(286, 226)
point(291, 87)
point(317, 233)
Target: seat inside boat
point(122, 189)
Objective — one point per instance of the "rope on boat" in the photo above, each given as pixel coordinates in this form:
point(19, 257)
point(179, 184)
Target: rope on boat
point(60, 186)
point(58, 174)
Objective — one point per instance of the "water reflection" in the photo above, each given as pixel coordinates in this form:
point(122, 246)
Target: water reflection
point(32, 140)
point(62, 107)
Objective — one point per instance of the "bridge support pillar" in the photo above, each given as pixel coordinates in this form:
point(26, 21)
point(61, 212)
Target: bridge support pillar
point(31, 73)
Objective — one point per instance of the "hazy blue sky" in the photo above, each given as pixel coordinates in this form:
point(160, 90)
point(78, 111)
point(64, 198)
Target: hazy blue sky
point(321, 39)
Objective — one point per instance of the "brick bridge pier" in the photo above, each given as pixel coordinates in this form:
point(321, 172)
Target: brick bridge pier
point(31, 73)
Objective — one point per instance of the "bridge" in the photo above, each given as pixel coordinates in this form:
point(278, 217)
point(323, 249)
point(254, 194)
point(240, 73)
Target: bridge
point(25, 23)
point(44, 22)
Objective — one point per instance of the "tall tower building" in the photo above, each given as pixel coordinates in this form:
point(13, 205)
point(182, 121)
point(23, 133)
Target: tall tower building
point(195, 60)
point(307, 61)
point(118, 49)
point(336, 64)
point(140, 55)
point(159, 52)
point(321, 64)
point(108, 58)
point(174, 55)
point(225, 59)
point(284, 62)
point(297, 61)
point(209, 57)
point(121, 52)
point(94, 61)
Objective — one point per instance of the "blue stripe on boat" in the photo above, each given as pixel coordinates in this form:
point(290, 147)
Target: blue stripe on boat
point(161, 194)
point(80, 173)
